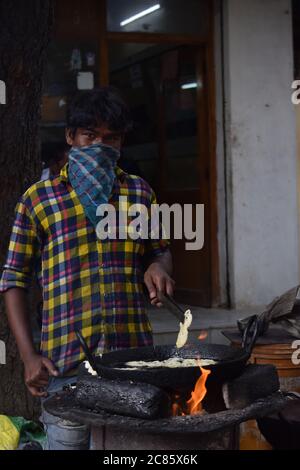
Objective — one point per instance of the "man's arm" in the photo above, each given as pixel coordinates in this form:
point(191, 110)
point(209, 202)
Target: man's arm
point(23, 250)
point(158, 277)
point(37, 367)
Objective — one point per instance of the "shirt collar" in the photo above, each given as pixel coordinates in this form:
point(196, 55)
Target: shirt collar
point(120, 174)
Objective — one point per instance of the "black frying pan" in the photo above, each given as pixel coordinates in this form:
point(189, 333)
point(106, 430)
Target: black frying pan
point(230, 362)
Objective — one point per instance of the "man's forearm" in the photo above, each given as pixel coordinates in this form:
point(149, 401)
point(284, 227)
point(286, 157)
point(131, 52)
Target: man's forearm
point(37, 367)
point(17, 310)
point(165, 261)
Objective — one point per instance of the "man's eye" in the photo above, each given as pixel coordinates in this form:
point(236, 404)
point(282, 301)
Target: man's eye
point(90, 135)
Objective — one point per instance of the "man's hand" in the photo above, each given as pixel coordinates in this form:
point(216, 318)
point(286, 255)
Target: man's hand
point(37, 371)
point(157, 279)
point(37, 368)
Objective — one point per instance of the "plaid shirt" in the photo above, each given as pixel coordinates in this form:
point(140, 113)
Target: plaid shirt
point(91, 285)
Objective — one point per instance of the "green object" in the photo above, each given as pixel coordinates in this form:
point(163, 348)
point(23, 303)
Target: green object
point(29, 431)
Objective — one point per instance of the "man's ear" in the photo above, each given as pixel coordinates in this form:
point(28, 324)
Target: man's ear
point(69, 136)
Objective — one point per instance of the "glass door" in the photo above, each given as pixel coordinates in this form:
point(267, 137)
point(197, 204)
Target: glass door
point(165, 86)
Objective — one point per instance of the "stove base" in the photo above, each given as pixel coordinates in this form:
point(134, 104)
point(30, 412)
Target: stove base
point(208, 431)
point(112, 438)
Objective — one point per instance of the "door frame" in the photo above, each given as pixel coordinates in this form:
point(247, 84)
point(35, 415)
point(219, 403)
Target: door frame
point(105, 37)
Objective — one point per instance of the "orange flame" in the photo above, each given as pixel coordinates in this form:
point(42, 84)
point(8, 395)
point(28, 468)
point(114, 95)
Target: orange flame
point(193, 405)
point(199, 392)
point(203, 335)
point(176, 409)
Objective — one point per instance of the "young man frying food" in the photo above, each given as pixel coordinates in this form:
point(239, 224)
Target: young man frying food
point(88, 284)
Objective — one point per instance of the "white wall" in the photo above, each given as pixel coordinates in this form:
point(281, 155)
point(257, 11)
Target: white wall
point(260, 150)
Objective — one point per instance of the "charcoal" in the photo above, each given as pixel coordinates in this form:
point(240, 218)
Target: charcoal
point(257, 381)
point(123, 397)
point(282, 429)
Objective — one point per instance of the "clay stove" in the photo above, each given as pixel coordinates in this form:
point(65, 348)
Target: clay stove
point(252, 395)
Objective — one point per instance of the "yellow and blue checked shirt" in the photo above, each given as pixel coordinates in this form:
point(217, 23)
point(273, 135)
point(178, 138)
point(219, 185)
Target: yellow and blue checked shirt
point(91, 285)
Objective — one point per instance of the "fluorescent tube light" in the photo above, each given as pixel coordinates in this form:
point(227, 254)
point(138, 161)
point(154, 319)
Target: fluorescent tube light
point(187, 86)
point(140, 15)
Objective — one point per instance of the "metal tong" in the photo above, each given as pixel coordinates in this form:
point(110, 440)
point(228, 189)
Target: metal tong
point(171, 305)
point(86, 350)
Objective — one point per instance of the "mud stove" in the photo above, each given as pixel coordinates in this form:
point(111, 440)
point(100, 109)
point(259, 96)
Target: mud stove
point(129, 415)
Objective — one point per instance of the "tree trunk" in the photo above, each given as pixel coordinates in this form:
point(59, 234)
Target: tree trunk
point(24, 36)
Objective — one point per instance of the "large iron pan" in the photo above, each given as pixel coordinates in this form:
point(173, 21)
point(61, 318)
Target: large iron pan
point(230, 362)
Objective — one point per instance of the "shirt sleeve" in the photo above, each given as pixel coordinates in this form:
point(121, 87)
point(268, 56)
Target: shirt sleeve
point(23, 251)
point(157, 242)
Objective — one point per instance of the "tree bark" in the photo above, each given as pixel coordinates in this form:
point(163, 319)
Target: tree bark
point(24, 36)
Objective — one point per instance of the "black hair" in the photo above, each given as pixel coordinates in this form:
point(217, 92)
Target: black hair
point(53, 152)
point(93, 108)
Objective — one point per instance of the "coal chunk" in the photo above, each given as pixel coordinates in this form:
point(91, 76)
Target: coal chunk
point(139, 400)
point(257, 381)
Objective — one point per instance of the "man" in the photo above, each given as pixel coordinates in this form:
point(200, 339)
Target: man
point(89, 284)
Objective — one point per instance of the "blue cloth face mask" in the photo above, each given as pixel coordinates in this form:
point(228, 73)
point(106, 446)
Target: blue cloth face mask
point(92, 175)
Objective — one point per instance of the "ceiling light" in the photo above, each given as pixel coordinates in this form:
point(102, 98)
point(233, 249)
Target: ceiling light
point(140, 15)
point(187, 86)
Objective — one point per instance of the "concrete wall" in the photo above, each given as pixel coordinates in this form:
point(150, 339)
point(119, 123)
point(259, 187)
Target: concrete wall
point(260, 150)
point(220, 155)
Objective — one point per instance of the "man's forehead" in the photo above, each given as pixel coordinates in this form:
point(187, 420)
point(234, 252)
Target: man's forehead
point(100, 130)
